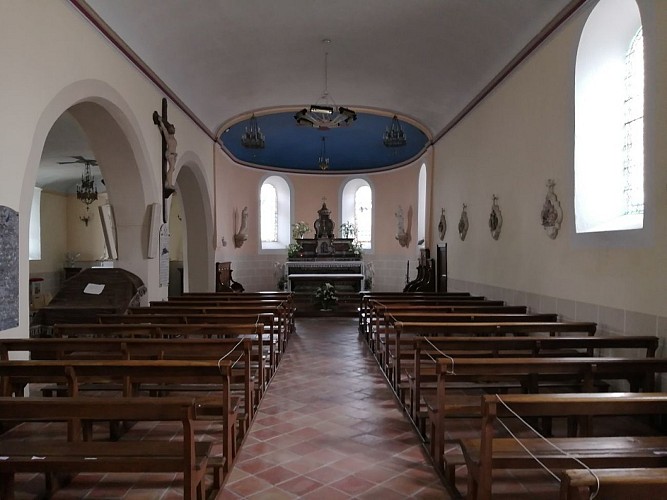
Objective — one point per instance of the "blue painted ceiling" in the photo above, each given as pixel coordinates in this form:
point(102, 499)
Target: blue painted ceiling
point(297, 148)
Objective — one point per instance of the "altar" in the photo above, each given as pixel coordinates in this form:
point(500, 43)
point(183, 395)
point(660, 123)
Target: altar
point(306, 276)
point(325, 259)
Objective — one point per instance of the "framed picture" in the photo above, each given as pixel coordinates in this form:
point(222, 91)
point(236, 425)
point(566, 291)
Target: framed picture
point(109, 230)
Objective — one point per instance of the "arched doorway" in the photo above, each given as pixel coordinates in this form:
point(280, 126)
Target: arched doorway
point(196, 227)
point(113, 140)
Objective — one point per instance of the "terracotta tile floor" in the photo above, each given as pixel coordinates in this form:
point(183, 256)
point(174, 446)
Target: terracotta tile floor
point(329, 427)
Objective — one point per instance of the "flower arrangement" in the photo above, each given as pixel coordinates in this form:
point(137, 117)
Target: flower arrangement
point(293, 249)
point(299, 229)
point(355, 248)
point(348, 230)
point(325, 296)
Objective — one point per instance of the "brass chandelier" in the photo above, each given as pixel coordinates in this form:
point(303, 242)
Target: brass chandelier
point(325, 113)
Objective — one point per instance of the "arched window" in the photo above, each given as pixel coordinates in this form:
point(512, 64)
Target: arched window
point(269, 210)
point(35, 238)
point(609, 124)
point(421, 207)
point(357, 208)
point(275, 213)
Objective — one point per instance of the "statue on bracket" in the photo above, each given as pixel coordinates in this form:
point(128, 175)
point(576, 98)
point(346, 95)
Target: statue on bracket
point(552, 213)
point(403, 234)
point(242, 234)
point(495, 219)
point(442, 226)
point(463, 223)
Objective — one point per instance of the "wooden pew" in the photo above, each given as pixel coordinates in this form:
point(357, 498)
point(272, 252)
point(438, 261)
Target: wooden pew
point(584, 371)
point(285, 300)
point(390, 351)
point(613, 484)
point(148, 375)
point(488, 452)
point(272, 333)
point(469, 328)
point(239, 352)
point(372, 336)
point(375, 307)
point(264, 294)
point(284, 317)
point(186, 455)
point(253, 331)
point(366, 296)
point(420, 373)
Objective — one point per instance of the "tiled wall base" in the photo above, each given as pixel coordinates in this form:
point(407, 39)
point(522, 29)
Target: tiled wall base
point(610, 321)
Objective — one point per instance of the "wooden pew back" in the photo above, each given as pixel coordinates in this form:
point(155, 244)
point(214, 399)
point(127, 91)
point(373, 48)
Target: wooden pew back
point(184, 455)
point(614, 451)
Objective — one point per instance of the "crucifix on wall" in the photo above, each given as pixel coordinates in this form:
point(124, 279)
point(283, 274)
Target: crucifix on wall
point(169, 154)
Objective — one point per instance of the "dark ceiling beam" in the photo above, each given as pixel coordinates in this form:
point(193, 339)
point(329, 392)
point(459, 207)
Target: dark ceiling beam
point(116, 40)
point(552, 26)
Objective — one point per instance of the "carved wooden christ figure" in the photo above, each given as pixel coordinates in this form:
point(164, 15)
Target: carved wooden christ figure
point(169, 153)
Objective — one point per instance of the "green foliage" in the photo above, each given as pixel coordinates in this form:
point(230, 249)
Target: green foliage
point(293, 249)
point(348, 230)
point(325, 295)
point(299, 229)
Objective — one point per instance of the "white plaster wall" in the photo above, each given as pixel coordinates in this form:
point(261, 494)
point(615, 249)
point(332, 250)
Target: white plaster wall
point(51, 59)
point(522, 135)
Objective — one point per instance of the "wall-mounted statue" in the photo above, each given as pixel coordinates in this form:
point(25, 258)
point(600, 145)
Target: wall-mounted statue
point(403, 234)
point(495, 219)
point(169, 153)
point(242, 234)
point(463, 223)
point(552, 213)
point(442, 225)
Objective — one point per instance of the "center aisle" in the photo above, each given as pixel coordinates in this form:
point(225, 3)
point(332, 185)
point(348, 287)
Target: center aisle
point(329, 427)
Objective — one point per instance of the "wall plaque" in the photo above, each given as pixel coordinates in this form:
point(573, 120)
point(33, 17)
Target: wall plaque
point(9, 268)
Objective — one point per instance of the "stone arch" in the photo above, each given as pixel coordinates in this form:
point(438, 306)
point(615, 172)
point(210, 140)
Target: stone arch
point(198, 248)
point(115, 138)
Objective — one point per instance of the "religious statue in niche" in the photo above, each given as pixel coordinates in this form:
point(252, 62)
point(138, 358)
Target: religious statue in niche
point(242, 234)
point(495, 219)
point(169, 153)
point(403, 233)
point(463, 223)
point(442, 225)
point(552, 213)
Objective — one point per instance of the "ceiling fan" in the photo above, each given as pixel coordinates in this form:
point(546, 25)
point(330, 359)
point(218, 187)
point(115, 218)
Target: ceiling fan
point(80, 159)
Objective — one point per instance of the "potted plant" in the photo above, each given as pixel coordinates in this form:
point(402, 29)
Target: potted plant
point(325, 296)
